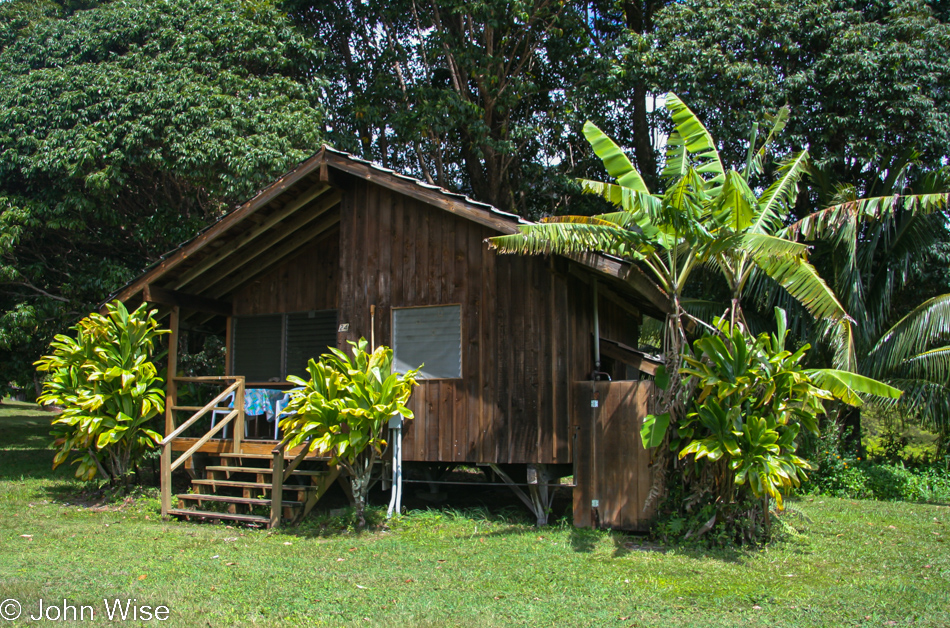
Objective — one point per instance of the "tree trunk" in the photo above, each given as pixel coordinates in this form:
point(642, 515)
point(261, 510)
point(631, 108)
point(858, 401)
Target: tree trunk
point(360, 484)
point(849, 422)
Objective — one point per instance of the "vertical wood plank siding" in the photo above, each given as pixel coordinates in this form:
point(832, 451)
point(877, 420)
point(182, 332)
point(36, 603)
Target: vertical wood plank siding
point(511, 404)
point(612, 466)
point(526, 323)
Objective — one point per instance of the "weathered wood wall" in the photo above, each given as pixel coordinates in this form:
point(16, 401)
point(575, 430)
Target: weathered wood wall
point(511, 404)
point(526, 323)
point(610, 461)
point(308, 281)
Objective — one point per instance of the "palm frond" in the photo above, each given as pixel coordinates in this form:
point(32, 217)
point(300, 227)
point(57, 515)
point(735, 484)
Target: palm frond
point(933, 365)
point(875, 207)
point(736, 203)
point(677, 159)
point(565, 238)
point(779, 197)
point(928, 402)
point(802, 281)
point(615, 161)
point(628, 200)
point(579, 220)
point(924, 326)
point(842, 343)
point(757, 157)
point(763, 245)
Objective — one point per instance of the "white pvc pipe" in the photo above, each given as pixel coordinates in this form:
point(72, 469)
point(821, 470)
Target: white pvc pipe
point(395, 499)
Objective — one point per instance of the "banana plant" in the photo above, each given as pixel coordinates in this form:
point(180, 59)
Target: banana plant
point(109, 390)
point(707, 215)
point(344, 408)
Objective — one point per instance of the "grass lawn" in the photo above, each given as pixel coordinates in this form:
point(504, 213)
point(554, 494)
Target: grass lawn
point(850, 564)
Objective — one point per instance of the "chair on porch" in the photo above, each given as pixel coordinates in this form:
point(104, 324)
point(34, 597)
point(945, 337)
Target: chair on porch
point(279, 406)
point(215, 414)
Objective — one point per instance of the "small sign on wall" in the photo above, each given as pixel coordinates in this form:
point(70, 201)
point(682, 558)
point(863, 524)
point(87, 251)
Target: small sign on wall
point(344, 327)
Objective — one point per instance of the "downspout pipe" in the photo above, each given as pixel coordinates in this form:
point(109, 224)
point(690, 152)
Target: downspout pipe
point(597, 374)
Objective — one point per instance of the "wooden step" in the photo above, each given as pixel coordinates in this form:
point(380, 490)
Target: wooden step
point(287, 457)
point(204, 514)
point(261, 485)
point(246, 501)
point(262, 470)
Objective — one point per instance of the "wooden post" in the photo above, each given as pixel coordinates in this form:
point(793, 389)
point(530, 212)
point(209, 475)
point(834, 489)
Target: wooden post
point(228, 339)
point(277, 488)
point(239, 422)
point(171, 400)
point(166, 478)
point(171, 390)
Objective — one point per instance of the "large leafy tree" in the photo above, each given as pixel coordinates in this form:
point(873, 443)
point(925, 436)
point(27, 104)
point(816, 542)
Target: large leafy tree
point(866, 81)
point(123, 129)
point(486, 98)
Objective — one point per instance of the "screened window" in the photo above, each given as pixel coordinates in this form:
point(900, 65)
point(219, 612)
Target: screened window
point(277, 345)
point(308, 336)
point(431, 336)
point(256, 347)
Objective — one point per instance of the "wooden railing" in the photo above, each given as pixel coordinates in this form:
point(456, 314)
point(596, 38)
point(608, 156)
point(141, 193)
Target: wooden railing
point(235, 415)
point(281, 474)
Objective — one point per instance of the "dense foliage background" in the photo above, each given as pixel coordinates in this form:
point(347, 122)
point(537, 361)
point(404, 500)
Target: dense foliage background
point(125, 127)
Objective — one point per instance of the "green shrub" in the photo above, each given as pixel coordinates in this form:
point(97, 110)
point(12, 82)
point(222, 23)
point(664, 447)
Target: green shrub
point(109, 391)
point(344, 409)
point(838, 474)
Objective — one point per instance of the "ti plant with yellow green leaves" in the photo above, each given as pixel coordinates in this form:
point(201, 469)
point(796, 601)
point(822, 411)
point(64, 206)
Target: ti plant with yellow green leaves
point(344, 408)
point(109, 389)
point(752, 398)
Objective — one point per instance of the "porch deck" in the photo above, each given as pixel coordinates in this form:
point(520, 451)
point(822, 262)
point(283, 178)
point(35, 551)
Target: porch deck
point(226, 446)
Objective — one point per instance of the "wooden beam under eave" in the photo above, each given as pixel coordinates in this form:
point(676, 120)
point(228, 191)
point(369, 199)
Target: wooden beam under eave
point(156, 294)
point(623, 301)
point(265, 243)
point(229, 248)
point(263, 198)
point(278, 256)
point(628, 273)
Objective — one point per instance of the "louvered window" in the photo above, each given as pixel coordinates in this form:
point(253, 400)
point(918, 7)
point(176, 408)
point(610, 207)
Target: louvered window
point(277, 345)
point(308, 336)
point(431, 336)
point(257, 344)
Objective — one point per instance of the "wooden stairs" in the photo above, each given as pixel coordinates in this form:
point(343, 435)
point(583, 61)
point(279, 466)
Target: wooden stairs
point(241, 487)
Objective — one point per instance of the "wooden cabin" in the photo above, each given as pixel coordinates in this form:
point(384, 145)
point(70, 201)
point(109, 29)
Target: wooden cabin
point(340, 248)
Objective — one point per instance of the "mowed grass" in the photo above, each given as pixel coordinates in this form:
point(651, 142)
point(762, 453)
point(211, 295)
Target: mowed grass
point(849, 564)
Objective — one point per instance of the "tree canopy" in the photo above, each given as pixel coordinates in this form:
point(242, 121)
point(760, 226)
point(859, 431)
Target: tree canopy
point(124, 128)
point(866, 81)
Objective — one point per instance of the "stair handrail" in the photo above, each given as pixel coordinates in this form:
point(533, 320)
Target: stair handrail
point(281, 473)
point(236, 415)
point(211, 405)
